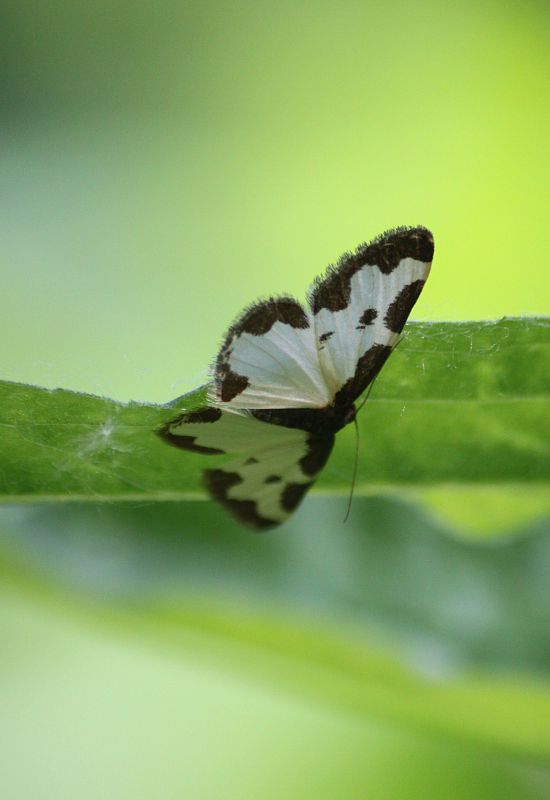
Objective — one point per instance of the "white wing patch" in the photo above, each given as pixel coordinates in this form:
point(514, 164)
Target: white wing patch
point(269, 360)
point(277, 466)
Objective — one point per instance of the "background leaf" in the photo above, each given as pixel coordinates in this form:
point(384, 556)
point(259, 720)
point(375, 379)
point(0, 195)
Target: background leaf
point(388, 615)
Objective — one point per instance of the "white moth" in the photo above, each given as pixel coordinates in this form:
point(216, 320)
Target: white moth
point(287, 377)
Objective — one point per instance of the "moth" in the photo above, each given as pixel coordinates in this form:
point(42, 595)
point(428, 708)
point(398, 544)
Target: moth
point(287, 376)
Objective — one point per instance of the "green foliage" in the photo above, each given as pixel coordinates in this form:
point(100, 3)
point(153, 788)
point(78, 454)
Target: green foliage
point(457, 403)
point(160, 650)
point(317, 607)
point(388, 615)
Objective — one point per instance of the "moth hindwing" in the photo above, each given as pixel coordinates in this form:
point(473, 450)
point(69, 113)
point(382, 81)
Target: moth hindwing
point(286, 377)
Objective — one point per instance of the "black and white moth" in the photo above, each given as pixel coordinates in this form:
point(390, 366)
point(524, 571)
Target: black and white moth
point(286, 378)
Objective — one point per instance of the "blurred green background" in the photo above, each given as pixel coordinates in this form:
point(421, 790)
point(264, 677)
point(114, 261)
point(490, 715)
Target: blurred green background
point(161, 165)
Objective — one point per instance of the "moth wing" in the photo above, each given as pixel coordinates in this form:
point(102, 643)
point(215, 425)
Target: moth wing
point(269, 360)
point(276, 467)
point(360, 307)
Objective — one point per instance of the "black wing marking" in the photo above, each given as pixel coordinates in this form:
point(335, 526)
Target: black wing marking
point(364, 303)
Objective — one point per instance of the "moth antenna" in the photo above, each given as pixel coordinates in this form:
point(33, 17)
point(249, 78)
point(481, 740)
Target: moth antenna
point(355, 464)
point(369, 390)
point(356, 460)
point(366, 397)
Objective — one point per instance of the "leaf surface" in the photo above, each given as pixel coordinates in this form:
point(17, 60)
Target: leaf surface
point(457, 404)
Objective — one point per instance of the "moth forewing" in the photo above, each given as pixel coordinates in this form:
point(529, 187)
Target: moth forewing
point(363, 302)
point(269, 360)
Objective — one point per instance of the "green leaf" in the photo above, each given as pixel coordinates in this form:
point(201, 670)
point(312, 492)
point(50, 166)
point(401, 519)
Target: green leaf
point(385, 616)
point(457, 405)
